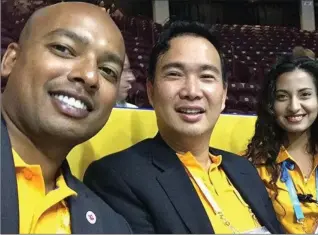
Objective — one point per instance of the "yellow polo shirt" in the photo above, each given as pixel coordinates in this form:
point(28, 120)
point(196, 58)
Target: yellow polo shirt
point(283, 205)
point(40, 212)
point(227, 197)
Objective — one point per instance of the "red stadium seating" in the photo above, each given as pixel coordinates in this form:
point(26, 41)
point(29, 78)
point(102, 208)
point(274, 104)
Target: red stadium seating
point(249, 51)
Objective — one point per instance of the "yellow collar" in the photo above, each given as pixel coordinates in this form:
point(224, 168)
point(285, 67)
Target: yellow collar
point(60, 181)
point(190, 161)
point(284, 155)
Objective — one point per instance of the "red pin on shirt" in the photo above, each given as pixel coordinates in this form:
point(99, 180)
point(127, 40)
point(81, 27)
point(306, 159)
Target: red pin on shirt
point(91, 217)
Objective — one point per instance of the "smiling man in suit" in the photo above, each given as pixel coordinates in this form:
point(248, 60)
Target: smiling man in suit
point(63, 77)
point(176, 183)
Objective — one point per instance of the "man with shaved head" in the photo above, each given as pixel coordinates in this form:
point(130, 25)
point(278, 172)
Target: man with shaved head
point(63, 77)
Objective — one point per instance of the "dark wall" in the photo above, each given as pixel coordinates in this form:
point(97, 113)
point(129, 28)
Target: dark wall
point(316, 14)
point(283, 13)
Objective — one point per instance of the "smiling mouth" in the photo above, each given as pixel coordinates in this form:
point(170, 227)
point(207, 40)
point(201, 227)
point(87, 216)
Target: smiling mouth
point(190, 114)
point(70, 101)
point(190, 111)
point(73, 99)
point(71, 104)
point(295, 118)
point(128, 87)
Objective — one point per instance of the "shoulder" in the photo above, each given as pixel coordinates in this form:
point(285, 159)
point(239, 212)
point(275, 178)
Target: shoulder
point(236, 160)
point(264, 172)
point(228, 156)
point(129, 105)
point(82, 190)
point(124, 104)
point(114, 221)
point(5, 140)
point(125, 158)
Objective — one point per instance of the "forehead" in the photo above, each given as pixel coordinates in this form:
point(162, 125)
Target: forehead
point(126, 62)
point(95, 28)
point(295, 80)
point(191, 50)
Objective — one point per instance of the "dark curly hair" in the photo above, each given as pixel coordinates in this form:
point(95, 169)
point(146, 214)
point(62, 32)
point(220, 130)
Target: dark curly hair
point(265, 145)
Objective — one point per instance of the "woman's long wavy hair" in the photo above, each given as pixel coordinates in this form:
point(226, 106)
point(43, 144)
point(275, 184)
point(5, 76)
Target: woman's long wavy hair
point(265, 145)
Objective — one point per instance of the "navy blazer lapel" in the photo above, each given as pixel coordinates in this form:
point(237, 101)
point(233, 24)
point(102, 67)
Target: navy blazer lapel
point(9, 189)
point(177, 185)
point(242, 182)
point(80, 206)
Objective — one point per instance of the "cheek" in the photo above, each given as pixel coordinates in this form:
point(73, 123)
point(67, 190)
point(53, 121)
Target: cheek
point(55, 68)
point(164, 93)
point(107, 95)
point(214, 94)
point(42, 71)
point(47, 62)
point(278, 109)
point(25, 81)
point(122, 83)
point(312, 106)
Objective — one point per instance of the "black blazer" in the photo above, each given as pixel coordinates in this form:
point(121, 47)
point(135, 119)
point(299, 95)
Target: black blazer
point(107, 220)
point(149, 186)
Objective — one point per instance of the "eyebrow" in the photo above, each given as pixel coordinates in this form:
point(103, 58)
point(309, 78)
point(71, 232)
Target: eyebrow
point(68, 33)
point(173, 65)
point(112, 57)
point(108, 56)
point(301, 90)
point(181, 66)
point(210, 67)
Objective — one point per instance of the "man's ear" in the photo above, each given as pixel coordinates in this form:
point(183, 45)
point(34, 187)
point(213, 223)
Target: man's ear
point(150, 91)
point(224, 98)
point(9, 59)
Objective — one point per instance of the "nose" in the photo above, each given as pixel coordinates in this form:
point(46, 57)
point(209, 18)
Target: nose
point(131, 77)
point(85, 71)
point(128, 76)
point(294, 105)
point(191, 89)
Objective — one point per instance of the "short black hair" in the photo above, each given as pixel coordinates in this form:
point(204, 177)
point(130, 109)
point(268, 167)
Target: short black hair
point(179, 28)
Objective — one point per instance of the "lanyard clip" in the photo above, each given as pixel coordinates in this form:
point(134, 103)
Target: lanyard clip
point(286, 165)
point(300, 221)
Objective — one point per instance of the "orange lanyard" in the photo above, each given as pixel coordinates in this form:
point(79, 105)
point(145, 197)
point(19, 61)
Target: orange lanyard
point(218, 211)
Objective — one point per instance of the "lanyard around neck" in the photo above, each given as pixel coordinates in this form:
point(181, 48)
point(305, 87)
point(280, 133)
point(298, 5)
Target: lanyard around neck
point(217, 210)
point(215, 206)
point(286, 178)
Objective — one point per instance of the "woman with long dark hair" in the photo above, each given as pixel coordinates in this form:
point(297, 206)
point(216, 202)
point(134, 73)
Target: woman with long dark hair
point(284, 148)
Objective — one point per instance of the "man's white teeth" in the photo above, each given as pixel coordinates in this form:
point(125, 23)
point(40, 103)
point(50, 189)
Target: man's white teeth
point(71, 101)
point(190, 111)
point(295, 118)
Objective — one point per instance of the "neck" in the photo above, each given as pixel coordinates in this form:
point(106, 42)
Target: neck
point(298, 141)
point(121, 101)
point(197, 145)
point(297, 146)
point(38, 150)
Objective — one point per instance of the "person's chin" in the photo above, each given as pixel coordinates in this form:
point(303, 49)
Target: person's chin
point(72, 133)
point(123, 97)
point(296, 129)
point(189, 130)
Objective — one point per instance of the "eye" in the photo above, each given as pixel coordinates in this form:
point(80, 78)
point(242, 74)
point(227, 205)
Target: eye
point(127, 70)
point(173, 74)
point(208, 76)
point(306, 94)
point(107, 72)
point(62, 50)
point(281, 97)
